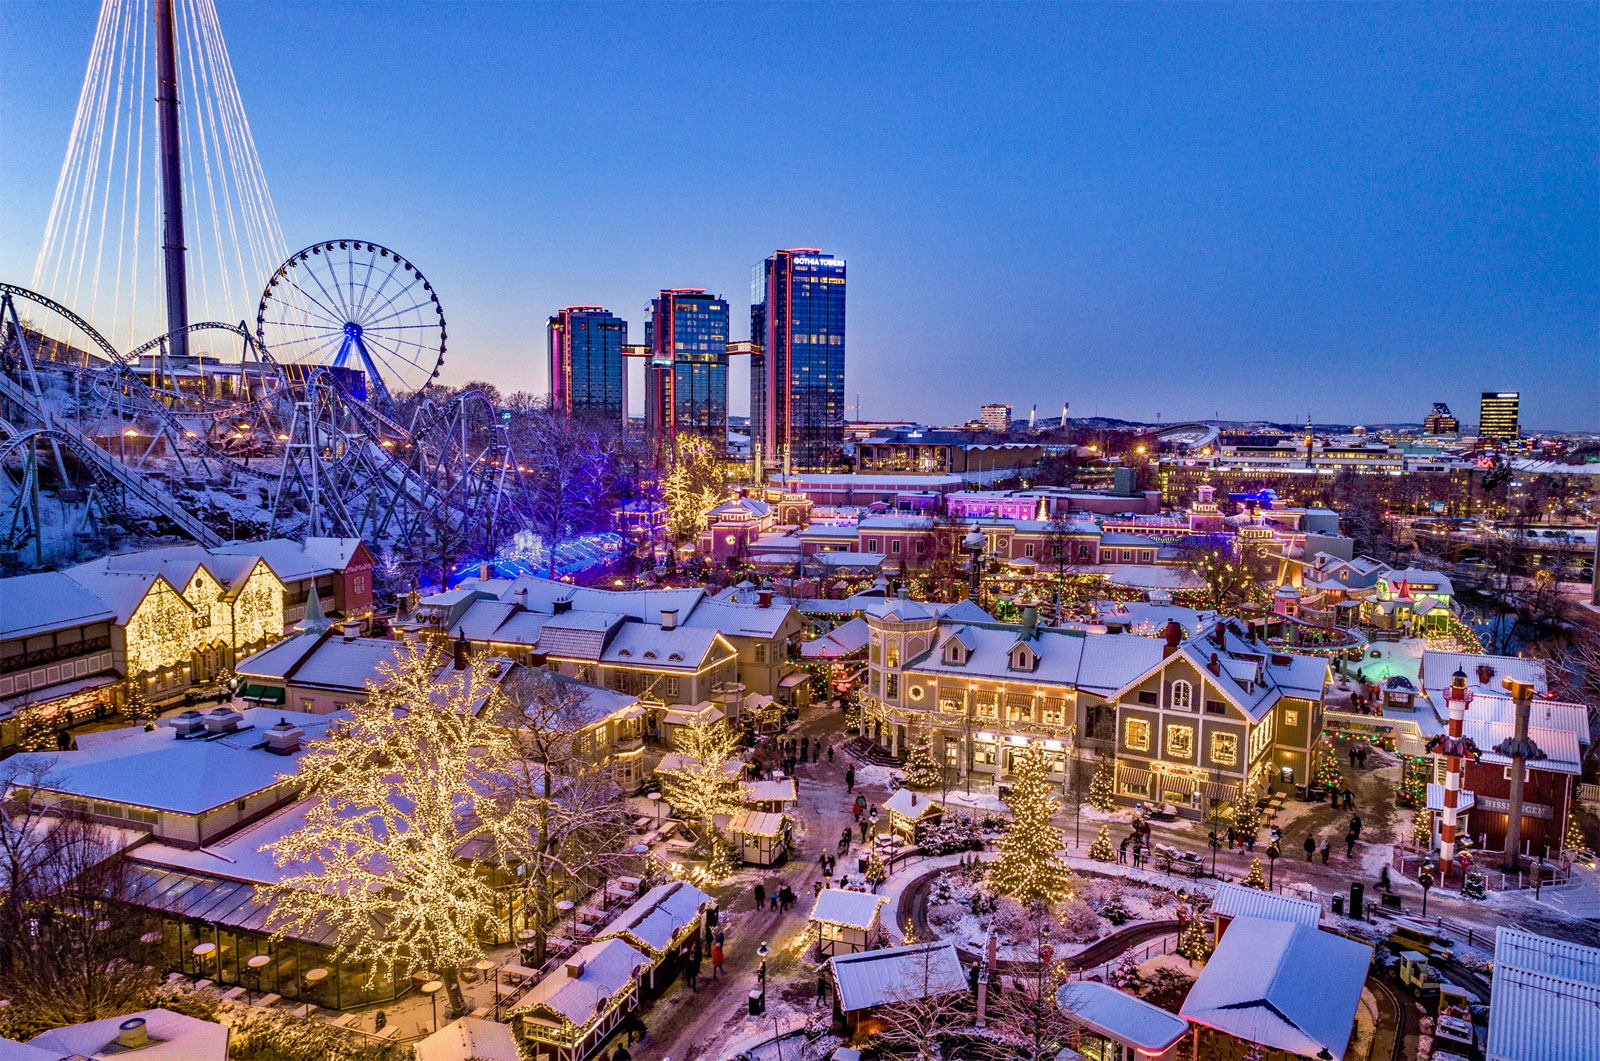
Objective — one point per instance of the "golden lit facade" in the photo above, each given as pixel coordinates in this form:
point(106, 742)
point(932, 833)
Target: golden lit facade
point(174, 639)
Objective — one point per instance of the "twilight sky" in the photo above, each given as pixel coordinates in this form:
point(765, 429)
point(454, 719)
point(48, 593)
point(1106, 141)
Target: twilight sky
point(1180, 211)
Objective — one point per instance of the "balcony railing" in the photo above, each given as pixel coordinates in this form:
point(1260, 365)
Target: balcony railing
point(28, 660)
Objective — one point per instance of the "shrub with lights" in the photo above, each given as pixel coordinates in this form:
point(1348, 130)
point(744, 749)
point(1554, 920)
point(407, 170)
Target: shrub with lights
point(1194, 942)
point(1102, 850)
point(1102, 787)
point(1255, 878)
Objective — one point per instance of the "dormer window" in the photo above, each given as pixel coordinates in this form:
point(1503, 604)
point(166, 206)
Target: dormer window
point(1023, 658)
point(649, 654)
point(955, 653)
point(676, 657)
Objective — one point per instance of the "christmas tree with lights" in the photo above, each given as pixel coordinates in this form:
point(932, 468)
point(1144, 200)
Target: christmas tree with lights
point(1102, 787)
point(1195, 942)
point(36, 730)
point(1574, 839)
point(876, 872)
point(1255, 878)
point(1422, 829)
point(1030, 868)
point(922, 770)
point(1415, 774)
point(136, 705)
point(1246, 815)
point(1328, 775)
point(1101, 850)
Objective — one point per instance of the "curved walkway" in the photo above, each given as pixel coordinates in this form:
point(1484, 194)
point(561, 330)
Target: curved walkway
point(913, 903)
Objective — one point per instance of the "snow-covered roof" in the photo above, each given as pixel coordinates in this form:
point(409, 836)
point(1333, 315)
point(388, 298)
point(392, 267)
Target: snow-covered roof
point(901, 609)
point(31, 604)
point(842, 641)
point(1544, 999)
point(154, 769)
point(172, 1037)
point(1559, 745)
point(757, 823)
point(1150, 576)
point(608, 966)
point(1148, 618)
point(121, 591)
point(839, 906)
point(875, 977)
point(294, 560)
point(1235, 900)
point(1100, 663)
point(909, 804)
point(329, 661)
point(1129, 1020)
point(739, 620)
point(1283, 985)
point(647, 645)
point(644, 605)
point(677, 761)
point(11, 1050)
point(1439, 667)
point(588, 703)
point(770, 791)
point(469, 1039)
point(1419, 580)
point(652, 920)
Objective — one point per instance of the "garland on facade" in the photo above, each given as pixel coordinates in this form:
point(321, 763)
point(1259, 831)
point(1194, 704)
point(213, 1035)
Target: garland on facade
point(1101, 850)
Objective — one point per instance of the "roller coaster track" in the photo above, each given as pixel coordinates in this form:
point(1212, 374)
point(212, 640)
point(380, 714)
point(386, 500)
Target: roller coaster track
point(145, 489)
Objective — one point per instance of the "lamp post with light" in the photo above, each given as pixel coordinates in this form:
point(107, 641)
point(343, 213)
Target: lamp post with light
point(762, 952)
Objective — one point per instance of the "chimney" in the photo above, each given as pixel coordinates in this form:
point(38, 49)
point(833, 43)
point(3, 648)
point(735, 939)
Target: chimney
point(1280, 660)
point(520, 595)
point(575, 968)
point(1485, 672)
point(351, 629)
point(1030, 621)
point(284, 738)
point(561, 605)
point(486, 571)
point(1215, 666)
point(131, 1034)
point(223, 720)
point(460, 654)
point(903, 593)
point(188, 724)
point(1174, 634)
point(669, 618)
point(913, 799)
point(764, 598)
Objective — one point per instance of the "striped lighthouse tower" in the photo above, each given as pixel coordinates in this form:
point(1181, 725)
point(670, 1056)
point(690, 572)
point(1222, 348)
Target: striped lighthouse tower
point(1458, 698)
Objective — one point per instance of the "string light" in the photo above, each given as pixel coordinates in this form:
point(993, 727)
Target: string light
point(1030, 868)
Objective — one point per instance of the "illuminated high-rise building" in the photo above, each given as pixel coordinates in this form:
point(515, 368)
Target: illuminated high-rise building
point(586, 372)
point(1440, 421)
point(1497, 415)
point(686, 378)
point(797, 406)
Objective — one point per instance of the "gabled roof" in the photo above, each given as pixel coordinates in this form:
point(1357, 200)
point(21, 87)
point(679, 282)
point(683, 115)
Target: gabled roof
point(909, 804)
point(1235, 900)
point(31, 604)
point(647, 645)
point(652, 921)
point(875, 977)
point(739, 620)
point(608, 967)
point(1126, 1018)
point(172, 1037)
point(844, 640)
point(1283, 985)
point(469, 1039)
point(839, 906)
point(331, 661)
point(1544, 1001)
point(1438, 668)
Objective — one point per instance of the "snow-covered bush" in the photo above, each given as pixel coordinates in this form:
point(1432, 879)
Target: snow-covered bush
point(1078, 921)
point(957, 832)
point(1115, 909)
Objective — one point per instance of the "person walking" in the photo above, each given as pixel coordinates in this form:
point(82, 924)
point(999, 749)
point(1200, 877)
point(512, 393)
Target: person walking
point(1355, 826)
point(1349, 800)
point(863, 832)
point(830, 753)
point(855, 811)
point(816, 890)
point(1324, 849)
point(1349, 845)
point(691, 972)
point(716, 957)
point(772, 900)
point(822, 863)
point(761, 897)
point(822, 987)
point(850, 779)
point(1233, 838)
point(1311, 847)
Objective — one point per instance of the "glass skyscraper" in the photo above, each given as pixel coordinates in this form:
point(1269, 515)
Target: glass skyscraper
point(797, 406)
point(1498, 415)
point(686, 378)
point(586, 372)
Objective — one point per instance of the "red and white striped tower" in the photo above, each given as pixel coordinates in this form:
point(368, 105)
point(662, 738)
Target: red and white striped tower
point(1458, 698)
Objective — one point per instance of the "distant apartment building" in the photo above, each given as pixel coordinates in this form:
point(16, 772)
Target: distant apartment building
point(586, 369)
point(1440, 421)
point(797, 406)
point(1498, 415)
point(995, 417)
point(686, 376)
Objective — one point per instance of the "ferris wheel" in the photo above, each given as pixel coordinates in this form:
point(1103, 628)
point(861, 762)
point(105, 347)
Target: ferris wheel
point(352, 304)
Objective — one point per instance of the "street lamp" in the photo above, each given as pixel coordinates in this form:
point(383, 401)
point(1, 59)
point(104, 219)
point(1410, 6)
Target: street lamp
point(762, 952)
point(1272, 863)
point(1425, 878)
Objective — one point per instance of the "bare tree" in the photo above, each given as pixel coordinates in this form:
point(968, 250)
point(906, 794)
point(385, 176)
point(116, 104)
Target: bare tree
point(579, 817)
point(68, 946)
point(1029, 1022)
point(924, 1006)
point(578, 476)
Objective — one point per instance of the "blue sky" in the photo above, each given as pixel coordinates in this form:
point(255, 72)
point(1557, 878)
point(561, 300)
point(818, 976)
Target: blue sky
point(1190, 210)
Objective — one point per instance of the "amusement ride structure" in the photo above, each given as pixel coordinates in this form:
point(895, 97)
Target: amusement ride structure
point(315, 420)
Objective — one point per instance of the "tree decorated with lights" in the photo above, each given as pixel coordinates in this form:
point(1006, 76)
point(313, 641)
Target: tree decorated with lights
point(1422, 829)
point(1415, 773)
point(1246, 814)
point(1574, 840)
point(922, 769)
point(876, 872)
point(1102, 787)
point(1030, 868)
point(1194, 942)
point(694, 486)
point(1255, 878)
point(37, 729)
point(1102, 850)
point(702, 786)
point(1328, 775)
point(136, 705)
point(394, 794)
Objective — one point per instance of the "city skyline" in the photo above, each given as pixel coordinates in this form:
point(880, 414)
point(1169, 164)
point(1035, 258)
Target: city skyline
point(1414, 213)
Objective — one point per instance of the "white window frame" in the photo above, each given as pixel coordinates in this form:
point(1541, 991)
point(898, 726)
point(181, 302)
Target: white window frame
point(1185, 702)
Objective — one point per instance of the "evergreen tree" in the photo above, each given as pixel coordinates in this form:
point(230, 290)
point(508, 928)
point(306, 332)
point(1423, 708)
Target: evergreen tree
point(1255, 878)
point(1195, 942)
point(1102, 787)
point(1101, 850)
point(922, 770)
point(1246, 815)
point(1574, 840)
point(136, 705)
point(36, 730)
point(1328, 775)
point(1030, 868)
point(876, 872)
point(1422, 829)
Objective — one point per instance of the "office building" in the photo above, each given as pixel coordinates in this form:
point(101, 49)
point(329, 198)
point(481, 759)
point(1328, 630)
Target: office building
point(995, 417)
point(586, 373)
point(686, 378)
point(797, 404)
point(1440, 421)
point(1497, 415)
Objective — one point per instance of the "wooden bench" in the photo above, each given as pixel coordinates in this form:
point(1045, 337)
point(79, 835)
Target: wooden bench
point(304, 1009)
point(267, 1001)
